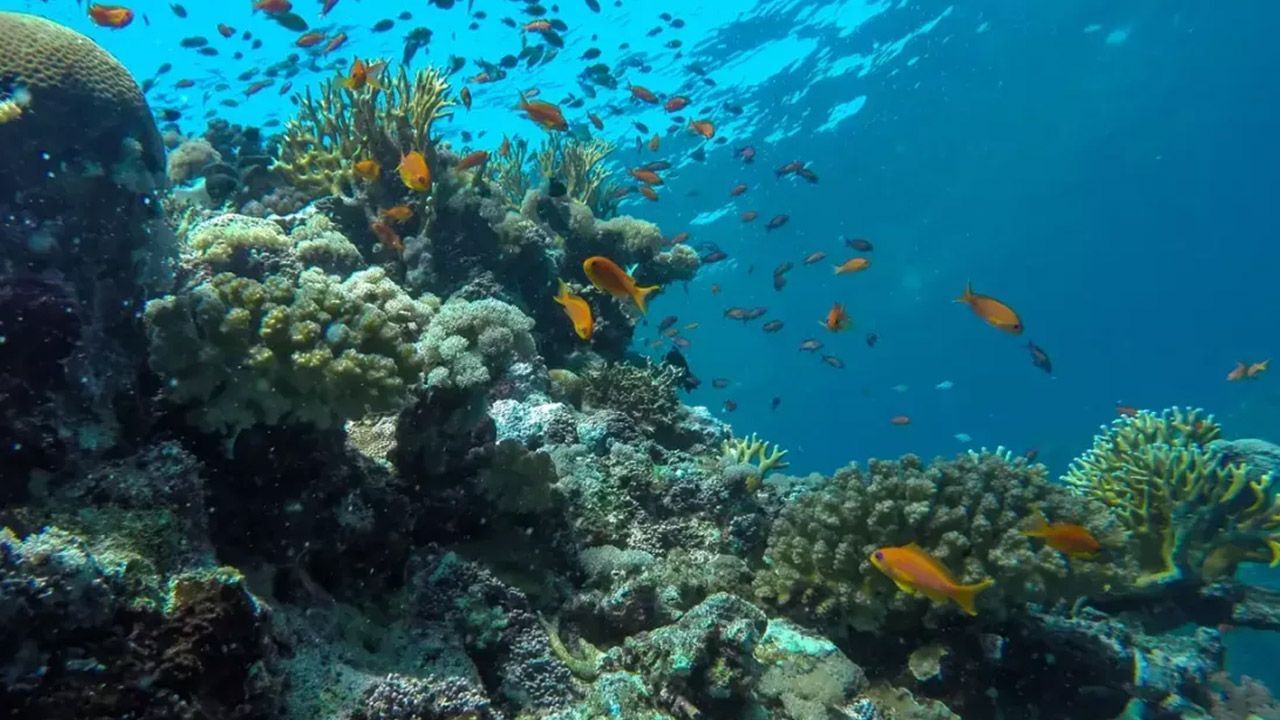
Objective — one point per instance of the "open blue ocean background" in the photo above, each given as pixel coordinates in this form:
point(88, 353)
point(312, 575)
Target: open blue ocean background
point(1110, 169)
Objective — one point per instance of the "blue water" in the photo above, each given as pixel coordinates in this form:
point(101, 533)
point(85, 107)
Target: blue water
point(1110, 169)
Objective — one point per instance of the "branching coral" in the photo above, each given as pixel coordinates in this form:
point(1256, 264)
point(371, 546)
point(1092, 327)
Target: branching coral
point(969, 513)
point(1193, 513)
point(508, 171)
point(744, 451)
point(470, 343)
point(579, 164)
point(381, 121)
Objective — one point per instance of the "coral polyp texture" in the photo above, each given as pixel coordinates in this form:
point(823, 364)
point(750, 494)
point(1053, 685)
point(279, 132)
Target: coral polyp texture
point(970, 513)
point(1194, 512)
point(263, 334)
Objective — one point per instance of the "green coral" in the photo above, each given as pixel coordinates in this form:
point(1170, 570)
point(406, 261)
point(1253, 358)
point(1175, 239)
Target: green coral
point(970, 513)
point(470, 342)
point(765, 456)
point(256, 336)
point(1193, 513)
point(381, 121)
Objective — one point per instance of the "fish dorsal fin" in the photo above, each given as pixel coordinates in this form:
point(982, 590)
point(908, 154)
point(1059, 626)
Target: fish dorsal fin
point(914, 546)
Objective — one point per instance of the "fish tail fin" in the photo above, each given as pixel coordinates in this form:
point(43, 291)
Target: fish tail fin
point(966, 594)
point(1039, 524)
point(967, 295)
point(642, 296)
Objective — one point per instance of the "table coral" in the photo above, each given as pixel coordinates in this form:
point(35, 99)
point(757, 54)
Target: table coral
point(968, 512)
point(1194, 512)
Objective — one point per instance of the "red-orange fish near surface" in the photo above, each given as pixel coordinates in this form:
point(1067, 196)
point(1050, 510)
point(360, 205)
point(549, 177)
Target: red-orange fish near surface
point(705, 128)
point(837, 318)
point(475, 159)
point(647, 177)
point(272, 7)
point(676, 103)
point(545, 114)
point(225, 30)
point(110, 16)
point(643, 94)
point(338, 41)
point(309, 39)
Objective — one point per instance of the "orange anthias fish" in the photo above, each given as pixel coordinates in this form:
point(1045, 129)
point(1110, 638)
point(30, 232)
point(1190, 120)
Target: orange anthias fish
point(654, 143)
point(837, 319)
point(338, 41)
point(1069, 539)
point(643, 94)
point(578, 310)
point(853, 265)
point(475, 159)
point(705, 128)
point(996, 313)
point(309, 40)
point(388, 237)
point(368, 169)
point(362, 73)
point(916, 572)
point(676, 103)
point(545, 114)
point(607, 276)
point(649, 193)
point(414, 172)
point(111, 16)
point(505, 148)
point(273, 7)
point(1246, 371)
point(397, 214)
point(647, 177)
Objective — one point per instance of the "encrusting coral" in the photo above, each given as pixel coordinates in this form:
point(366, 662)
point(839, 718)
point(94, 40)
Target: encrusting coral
point(1194, 513)
point(257, 339)
point(969, 513)
point(381, 121)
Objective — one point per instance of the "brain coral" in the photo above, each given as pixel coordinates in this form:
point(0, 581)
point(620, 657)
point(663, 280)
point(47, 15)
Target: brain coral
point(260, 334)
point(968, 512)
point(82, 99)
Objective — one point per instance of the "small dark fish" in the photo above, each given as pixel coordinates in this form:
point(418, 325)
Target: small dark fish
point(784, 268)
point(714, 257)
point(872, 339)
point(208, 51)
point(777, 221)
point(755, 312)
point(170, 115)
point(644, 129)
point(406, 15)
point(383, 25)
point(833, 361)
point(720, 383)
point(730, 405)
point(779, 282)
point(681, 341)
point(811, 345)
point(1040, 358)
point(591, 54)
point(775, 402)
point(772, 326)
point(164, 68)
point(559, 25)
point(195, 41)
point(677, 23)
point(657, 166)
point(674, 44)
point(654, 31)
point(593, 5)
point(509, 22)
point(736, 313)
point(1031, 454)
point(699, 155)
point(148, 85)
point(859, 244)
point(290, 21)
point(556, 188)
point(667, 322)
point(178, 10)
point(808, 174)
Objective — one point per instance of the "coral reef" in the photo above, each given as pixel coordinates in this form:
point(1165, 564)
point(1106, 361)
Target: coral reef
point(1195, 513)
point(470, 342)
point(969, 513)
point(381, 121)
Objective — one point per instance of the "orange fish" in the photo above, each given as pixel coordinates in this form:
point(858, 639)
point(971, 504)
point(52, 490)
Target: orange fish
point(899, 420)
point(596, 122)
point(676, 103)
point(273, 7)
point(578, 310)
point(545, 114)
point(749, 215)
point(397, 214)
point(110, 16)
point(647, 177)
point(654, 143)
point(505, 148)
point(388, 237)
point(1067, 538)
point(465, 94)
point(368, 169)
point(738, 189)
point(475, 159)
point(837, 319)
point(649, 193)
point(225, 30)
point(705, 128)
point(916, 572)
point(607, 276)
point(362, 74)
point(537, 26)
point(310, 39)
point(414, 172)
point(338, 41)
point(996, 313)
point(643, 94)
point(853, 265)
point(1244, 371)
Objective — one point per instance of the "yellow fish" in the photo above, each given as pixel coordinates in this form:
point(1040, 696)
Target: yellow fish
point(578, 310)
point(414, 172)
point(915, 571)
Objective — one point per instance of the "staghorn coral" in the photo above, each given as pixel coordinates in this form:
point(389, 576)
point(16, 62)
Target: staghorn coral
point(742, 451)
point(471, 342)
point(580, 165)
point(380, 121)
point(968, 512)
point(1193, 512)
point(508, 172)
